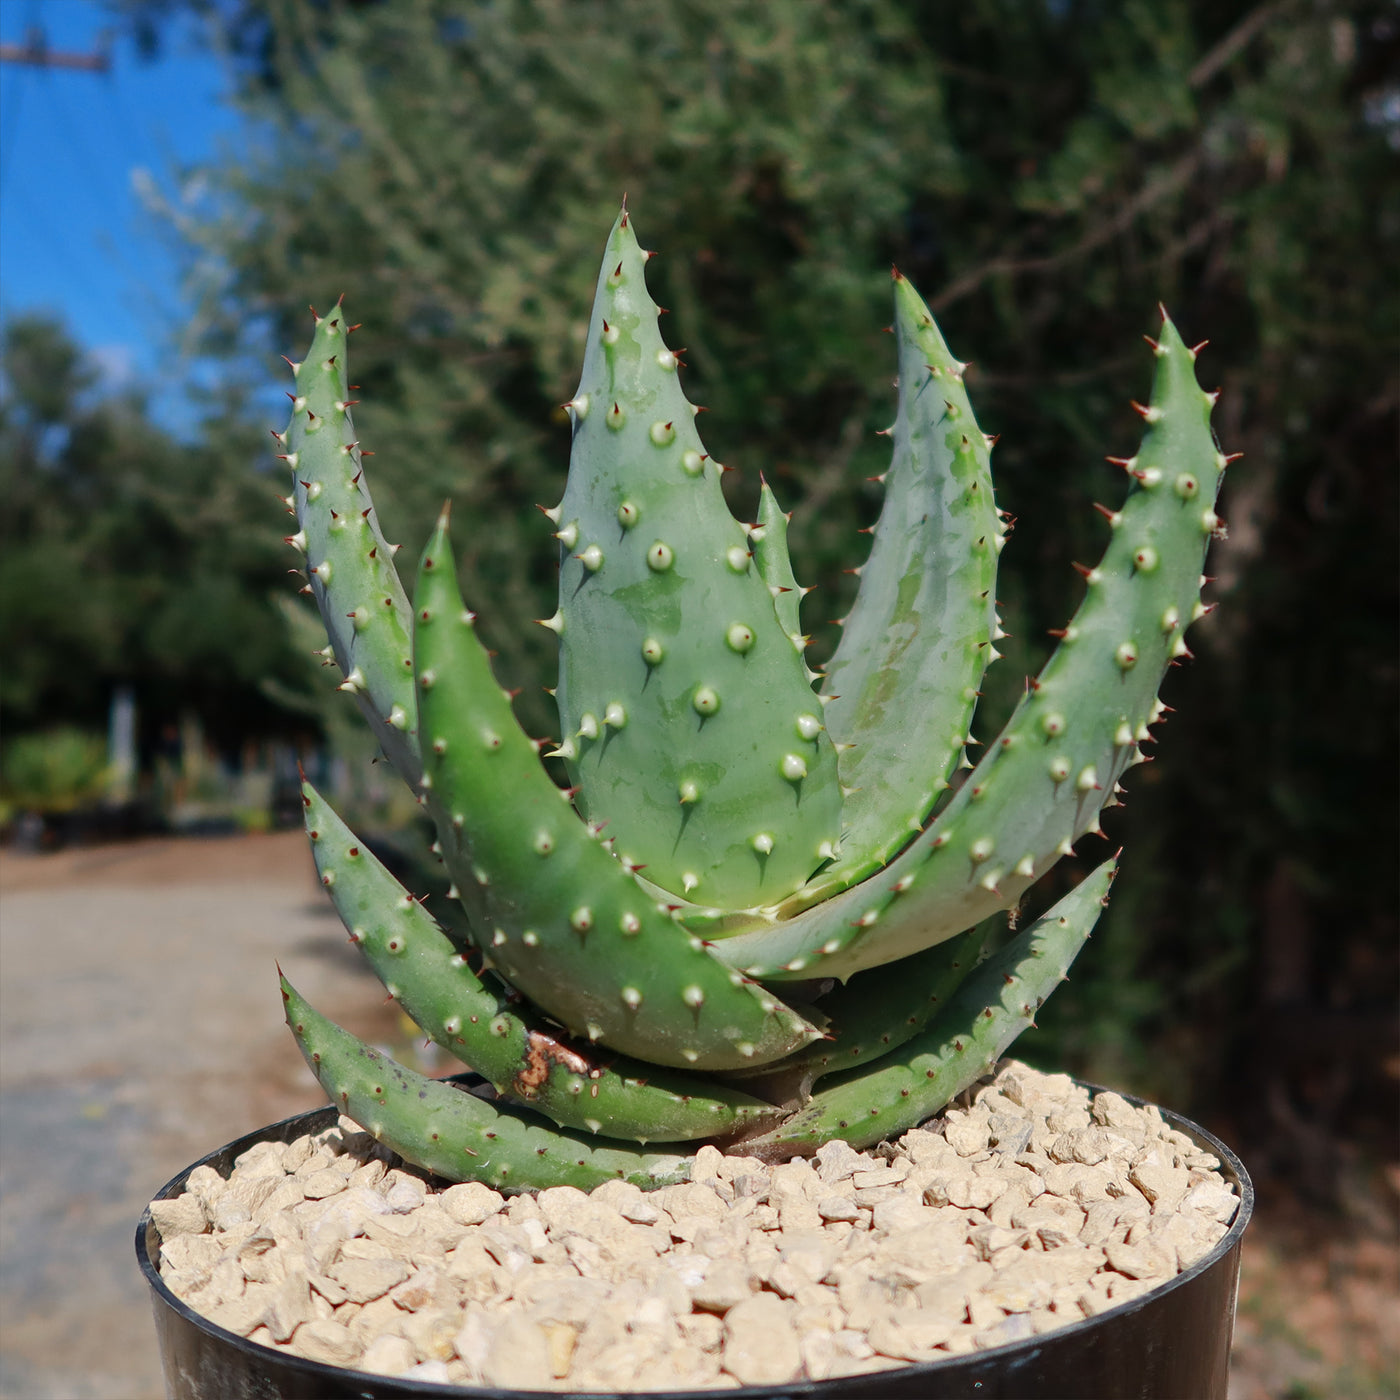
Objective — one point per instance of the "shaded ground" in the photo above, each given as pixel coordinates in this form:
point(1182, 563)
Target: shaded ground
point(1319, 1315)
point(140, 1028)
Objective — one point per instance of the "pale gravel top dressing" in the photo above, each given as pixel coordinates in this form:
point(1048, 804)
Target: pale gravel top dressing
point(1031, 1208)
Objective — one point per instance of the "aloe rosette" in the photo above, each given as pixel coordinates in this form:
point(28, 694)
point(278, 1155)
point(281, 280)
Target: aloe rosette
point(762, 913)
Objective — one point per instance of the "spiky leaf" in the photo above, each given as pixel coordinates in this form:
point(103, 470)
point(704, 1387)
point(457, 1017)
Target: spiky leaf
point(689, 720)
point(563, 921)
point(904, 680)
point(1044, 779)
point(442, 1128)
point(526, 1060)
point(349, 564)
point(960, 1045)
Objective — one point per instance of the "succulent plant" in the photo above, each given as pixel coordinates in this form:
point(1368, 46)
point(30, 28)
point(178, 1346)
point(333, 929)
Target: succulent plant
point(764, 912)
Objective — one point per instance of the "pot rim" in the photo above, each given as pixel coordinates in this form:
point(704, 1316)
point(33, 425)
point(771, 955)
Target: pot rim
point(317, 1120)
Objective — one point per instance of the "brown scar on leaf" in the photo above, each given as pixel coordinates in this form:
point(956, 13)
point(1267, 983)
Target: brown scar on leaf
point(542, 1052)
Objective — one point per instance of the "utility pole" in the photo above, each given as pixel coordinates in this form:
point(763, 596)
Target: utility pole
point(36, 53)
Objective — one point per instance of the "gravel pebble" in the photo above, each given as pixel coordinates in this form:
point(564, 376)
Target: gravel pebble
point(471, 1202)
point(184, 1215)
point(1026, 1207)
point(760, 1342)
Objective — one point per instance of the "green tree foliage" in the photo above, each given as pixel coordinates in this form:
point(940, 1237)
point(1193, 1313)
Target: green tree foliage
point(127, 557)
point(1045, 173)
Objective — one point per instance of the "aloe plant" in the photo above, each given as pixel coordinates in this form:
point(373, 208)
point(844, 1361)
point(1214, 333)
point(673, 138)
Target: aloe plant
point(763, 912)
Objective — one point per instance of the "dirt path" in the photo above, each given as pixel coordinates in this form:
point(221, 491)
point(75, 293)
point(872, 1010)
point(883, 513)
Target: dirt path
point(140, 1027)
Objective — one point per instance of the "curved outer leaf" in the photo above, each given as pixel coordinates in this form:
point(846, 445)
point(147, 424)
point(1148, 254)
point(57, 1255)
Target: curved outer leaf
point(565, 923)
point(351, 569)
point(445, 1130)
point(992, 1008)
point(904, 681)
point(689, 719)
point(525, 1060)
point(1056, 763)
point(880, 1009)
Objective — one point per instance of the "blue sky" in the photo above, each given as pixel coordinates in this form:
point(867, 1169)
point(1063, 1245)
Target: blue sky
point(75, 148)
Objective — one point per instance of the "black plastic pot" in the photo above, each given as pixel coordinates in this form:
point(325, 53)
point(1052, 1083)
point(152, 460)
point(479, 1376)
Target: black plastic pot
point(1170, 1344)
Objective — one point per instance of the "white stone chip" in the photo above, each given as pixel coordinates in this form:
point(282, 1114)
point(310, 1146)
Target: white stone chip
point(366, 1279)
point(760, 1342)
point(184, 1215)
point(1212, 1197)
point(328, 1341)
point(910, 1336)
point(387, 1356)
point(471, 1203)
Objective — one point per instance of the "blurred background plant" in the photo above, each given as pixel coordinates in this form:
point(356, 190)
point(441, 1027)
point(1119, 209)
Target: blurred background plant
point(137, 578)
point(53, 770)
point(1045, 171)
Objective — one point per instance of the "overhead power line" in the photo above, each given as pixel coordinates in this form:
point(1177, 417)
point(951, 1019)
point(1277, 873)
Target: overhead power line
point(35, 52)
